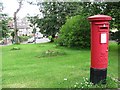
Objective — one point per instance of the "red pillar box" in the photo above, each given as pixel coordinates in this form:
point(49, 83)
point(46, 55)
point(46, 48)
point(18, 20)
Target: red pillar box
point(99, 48)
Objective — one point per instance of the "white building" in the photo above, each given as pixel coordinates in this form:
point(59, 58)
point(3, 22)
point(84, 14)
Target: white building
point(23, 27)
point(1, 7)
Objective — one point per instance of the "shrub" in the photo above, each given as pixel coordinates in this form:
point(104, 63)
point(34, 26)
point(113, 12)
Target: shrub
point(75, 32)
point(23, 38)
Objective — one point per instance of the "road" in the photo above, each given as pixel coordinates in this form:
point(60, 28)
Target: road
point(42, 40)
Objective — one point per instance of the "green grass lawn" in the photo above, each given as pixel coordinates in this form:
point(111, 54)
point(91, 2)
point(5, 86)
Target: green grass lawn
point(26, 68)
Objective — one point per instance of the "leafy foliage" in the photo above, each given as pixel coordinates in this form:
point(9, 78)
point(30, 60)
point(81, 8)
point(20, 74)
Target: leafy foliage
point(111, 9)
point(4, 24)
point(23, 38)
point(54, 15)
point(33, 22)
point(106, 8)
point(4, 28)
point(75, 32)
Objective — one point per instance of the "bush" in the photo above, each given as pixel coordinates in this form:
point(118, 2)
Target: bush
point(23, 38)
point(75, 32)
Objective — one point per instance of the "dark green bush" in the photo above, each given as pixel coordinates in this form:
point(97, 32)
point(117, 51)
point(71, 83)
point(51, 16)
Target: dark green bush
point(23, 38)
point(75, 32)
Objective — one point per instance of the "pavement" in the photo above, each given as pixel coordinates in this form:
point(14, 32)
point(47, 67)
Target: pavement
point(42, 40)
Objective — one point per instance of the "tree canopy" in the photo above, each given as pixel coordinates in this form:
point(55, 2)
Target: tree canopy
point(56, 13)
point(4, 26)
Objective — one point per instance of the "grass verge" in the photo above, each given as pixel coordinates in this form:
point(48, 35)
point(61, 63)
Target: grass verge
point(22, 69)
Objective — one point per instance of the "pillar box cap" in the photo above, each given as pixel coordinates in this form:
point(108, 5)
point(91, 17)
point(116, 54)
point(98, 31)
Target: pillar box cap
point(100, 18)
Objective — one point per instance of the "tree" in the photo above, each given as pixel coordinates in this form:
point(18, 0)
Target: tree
point(49, 25)
point(54, 15)
point(15, 21)
point(107, 8)
point(4, 24)
point(4, 28)
point(33, 21)
point(113, 9)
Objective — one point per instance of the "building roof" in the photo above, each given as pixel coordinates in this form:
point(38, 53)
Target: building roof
point(21, 24)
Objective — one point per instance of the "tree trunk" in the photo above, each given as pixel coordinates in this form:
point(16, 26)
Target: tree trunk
point(15, 22)
point(52, 39)
point(6, 40)
point(34, 38)
point(15, 29)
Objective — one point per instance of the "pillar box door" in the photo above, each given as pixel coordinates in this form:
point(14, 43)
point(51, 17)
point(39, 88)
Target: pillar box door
point(99, 47)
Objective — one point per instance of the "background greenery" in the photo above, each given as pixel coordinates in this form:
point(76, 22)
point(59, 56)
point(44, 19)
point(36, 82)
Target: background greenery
point(56, 13)
point(23, 38)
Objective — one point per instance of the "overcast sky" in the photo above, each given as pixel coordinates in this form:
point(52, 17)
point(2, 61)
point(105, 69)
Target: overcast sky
point(10, 7)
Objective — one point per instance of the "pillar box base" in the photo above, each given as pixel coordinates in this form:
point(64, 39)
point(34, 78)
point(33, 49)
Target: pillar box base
point(98, 75)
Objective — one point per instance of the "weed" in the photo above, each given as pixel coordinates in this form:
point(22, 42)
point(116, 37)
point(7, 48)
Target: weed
point(15, 48)
point(111, 83)
point(50, 53)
